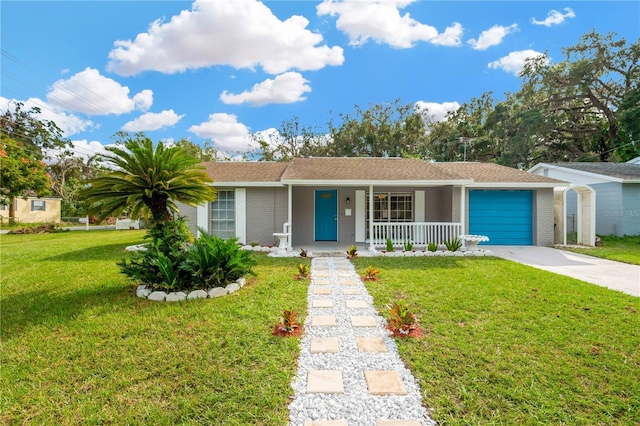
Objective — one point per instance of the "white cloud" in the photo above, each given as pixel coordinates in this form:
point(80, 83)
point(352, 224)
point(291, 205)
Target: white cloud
point(381, 21)
point(492, 37)
point(226, 133)
point(69, 124)
point(93, 94)
point(152, 121)
point(514, 61)
point(434, 111)
point(554, 17)
point(450, 37)
point(86, 149)
point(286, 88)
point(239, 33)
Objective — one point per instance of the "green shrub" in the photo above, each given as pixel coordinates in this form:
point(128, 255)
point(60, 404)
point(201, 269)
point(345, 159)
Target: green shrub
point(389, 244)
point(433, 246)
point(171, 263)
point(213, 262)
point(453, 244)
point(170, 234)
point(408, 246)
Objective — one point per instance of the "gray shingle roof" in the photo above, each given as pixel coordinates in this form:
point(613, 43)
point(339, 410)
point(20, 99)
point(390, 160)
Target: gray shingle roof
point(625, 171)
point(489, 172)
point(365, 168)
point(368, 169)
point(243, 171)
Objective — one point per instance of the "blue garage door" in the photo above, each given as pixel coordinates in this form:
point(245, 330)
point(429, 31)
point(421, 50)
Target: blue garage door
point(503, 216)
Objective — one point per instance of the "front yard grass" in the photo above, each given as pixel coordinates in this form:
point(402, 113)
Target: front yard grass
point(507, 344)
point(79, 348)
point(623, 249)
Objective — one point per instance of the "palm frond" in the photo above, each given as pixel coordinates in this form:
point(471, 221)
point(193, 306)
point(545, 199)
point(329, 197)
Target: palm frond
point(147, 179)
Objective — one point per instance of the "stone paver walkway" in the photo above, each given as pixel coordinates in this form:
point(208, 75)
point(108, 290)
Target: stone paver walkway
point(349, 371)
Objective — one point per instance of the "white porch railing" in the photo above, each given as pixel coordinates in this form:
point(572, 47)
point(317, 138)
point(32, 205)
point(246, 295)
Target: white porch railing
point(419, 233)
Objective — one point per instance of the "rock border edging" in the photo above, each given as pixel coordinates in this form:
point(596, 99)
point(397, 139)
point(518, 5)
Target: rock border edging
point(144, 292)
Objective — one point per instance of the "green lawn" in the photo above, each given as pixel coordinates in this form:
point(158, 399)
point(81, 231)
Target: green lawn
point(623, 249)
point(507, 344)
point(79, 348)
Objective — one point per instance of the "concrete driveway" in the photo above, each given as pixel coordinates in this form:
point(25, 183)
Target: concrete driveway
point(606, 273)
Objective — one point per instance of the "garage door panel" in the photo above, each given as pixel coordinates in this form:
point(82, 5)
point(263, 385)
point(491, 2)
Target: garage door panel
point(504, 216)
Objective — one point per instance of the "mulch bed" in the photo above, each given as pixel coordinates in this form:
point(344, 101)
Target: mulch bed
point(277, 331)
point(416, 332)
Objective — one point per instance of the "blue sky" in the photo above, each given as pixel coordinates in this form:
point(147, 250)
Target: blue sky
point(220, 70)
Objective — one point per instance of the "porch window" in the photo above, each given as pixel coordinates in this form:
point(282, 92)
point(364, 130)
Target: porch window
point(391, 207)
point(223, 214)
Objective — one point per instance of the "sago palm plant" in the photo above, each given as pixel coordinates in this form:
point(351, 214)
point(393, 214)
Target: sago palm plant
point(147, 180)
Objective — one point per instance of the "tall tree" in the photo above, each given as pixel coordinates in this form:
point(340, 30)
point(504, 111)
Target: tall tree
point(38, 136)
point(20, 174)
point(461, 137)
point(69, 174)
point(26, 141)
point(628, 115)
point(582, 93)
point(382, 130)
point(203, 153)
point(290, 141)
point(144, 179)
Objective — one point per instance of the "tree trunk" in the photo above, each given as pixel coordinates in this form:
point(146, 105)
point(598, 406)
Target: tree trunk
point(12, 211)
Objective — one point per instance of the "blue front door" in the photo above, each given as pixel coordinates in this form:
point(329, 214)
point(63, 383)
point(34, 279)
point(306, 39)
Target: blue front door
point(326, 221)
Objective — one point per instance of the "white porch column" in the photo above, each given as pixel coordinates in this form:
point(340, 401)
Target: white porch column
point(241, 214)
point(371, 247)
point(290, 215)
point(463, 209)
point(202, 217)
point(564, 216)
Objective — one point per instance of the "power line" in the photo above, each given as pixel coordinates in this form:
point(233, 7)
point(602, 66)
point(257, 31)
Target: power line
point(47, 78)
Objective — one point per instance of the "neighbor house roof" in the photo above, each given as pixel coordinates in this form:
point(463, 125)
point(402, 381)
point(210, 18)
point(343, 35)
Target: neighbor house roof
point(623, 171)
point(368, 170)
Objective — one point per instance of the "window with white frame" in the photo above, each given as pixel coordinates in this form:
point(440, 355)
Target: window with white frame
point(223, 214)
point(38, 205)
point(391, 207)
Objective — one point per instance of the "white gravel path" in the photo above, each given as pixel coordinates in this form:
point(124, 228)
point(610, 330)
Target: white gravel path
point(356, 405)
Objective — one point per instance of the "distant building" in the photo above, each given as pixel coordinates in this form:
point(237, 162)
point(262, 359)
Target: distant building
point(34, 209)
point(617, 188)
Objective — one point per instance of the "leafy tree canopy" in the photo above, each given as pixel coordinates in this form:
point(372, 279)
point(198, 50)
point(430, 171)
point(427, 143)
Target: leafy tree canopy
point(20, 174)
point(383, 130)
point(37, 136)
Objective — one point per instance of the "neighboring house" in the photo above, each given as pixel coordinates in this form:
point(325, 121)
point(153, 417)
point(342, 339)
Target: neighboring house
point(34, 210)
point(617, 189)
point(343, 201)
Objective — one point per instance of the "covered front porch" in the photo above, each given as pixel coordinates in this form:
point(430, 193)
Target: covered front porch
point(339, 216)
